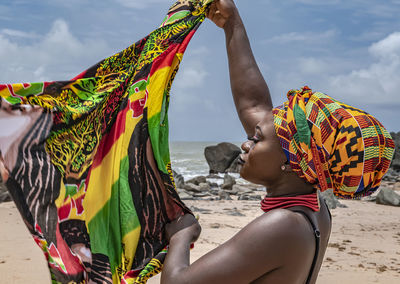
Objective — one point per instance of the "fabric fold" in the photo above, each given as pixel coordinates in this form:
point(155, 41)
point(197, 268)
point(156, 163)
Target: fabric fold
point(90, 171)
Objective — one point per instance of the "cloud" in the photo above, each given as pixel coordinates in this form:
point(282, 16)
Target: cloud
point(369, 80)
point(190, 78)
point(318, 2)
point(304, 36)
point(388, 47)
point(379, 82)
point(139, 4)
point(57, 55)
point(17, 33)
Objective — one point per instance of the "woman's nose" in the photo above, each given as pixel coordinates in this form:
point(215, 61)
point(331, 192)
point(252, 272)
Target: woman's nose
point(246, 146)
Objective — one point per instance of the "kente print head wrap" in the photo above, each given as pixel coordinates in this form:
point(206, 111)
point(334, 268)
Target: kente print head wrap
point(333, 145)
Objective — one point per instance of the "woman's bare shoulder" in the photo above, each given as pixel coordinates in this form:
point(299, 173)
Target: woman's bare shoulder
point(279, 225)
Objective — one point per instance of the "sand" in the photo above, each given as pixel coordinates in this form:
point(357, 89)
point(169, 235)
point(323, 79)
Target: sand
point(364, 245)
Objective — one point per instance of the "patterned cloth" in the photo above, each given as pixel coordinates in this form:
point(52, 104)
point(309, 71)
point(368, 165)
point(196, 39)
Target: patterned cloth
point(90, 170)
point(333, 145)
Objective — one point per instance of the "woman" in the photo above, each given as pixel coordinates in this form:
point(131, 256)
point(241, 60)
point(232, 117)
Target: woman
point(282, 245)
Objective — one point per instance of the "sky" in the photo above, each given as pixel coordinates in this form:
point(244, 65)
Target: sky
point(348, 49)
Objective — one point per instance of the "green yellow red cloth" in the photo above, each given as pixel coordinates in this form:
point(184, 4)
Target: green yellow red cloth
point(333, 145)
point(90, 170)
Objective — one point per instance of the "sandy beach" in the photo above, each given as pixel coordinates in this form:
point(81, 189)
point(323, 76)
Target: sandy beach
point(364, 245)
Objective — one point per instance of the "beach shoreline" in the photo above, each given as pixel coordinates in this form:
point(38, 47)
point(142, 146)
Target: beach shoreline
point(364, 246)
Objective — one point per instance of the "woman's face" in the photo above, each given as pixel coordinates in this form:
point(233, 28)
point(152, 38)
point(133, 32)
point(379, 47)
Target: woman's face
point(263, 156)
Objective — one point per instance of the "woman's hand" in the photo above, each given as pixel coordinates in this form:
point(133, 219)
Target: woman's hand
point(221, 12)
point(185, 228)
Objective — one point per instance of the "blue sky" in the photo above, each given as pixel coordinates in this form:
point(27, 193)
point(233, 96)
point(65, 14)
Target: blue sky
point(347, 49)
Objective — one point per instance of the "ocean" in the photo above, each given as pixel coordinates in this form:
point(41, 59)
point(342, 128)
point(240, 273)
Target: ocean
point(187, 159)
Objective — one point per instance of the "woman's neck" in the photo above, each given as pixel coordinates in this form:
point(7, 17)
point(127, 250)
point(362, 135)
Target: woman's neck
point(289, 185)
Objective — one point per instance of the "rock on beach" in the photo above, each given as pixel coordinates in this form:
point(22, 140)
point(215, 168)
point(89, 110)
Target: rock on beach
point(387, 196)
point(220, 157)
point(396, 159)
point(4, 195)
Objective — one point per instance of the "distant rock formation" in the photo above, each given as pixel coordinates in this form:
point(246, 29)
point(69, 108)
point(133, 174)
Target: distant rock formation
point(387, 196)
point(4, 195)
point(396, 159)
point(203, 188)
point(331, 200)
point(221, 157)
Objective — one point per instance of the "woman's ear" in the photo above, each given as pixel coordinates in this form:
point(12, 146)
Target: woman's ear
point(286, 167)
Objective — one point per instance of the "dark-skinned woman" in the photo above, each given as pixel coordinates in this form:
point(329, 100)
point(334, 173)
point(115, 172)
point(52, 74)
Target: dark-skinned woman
point(310, 143)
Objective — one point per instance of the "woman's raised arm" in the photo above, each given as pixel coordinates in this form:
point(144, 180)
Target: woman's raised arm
point(249, 89)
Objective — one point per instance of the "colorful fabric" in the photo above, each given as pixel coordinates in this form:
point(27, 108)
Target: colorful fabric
point(90, 170)
point(332, 145)
point(307, 200)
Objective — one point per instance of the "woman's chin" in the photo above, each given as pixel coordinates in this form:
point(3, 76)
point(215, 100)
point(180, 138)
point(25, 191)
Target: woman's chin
point(243, 173)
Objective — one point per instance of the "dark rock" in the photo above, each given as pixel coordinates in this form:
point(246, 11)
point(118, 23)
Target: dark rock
point(240, 189)
point(223, 195)
point(235, 212)
point(229, 181)
point(204, 187)
point(201, 194)
point(212, 184)
point(192, 187)
point(179, 180)
point(391, 175)
point(331, 200)
point(249, 197)
point(211, 198)
point(221, 156)
point(214, 176)
point(396, 159)
point(215, 191)
point(197, 180)
point(232, 192)
point(179, 190)
point(200, 210)
point(341, 205)
point(387, 196)
point(4, 195)
point(234, 167)
point(226, 186)
point(185, 196)
point(369, 198)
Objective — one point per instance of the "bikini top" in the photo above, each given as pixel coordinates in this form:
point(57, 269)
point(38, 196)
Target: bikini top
point(317, 235)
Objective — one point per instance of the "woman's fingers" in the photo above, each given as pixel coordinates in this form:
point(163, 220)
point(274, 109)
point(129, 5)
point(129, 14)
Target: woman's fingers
point(214, 14)
point(212, 10)
point(220, 11)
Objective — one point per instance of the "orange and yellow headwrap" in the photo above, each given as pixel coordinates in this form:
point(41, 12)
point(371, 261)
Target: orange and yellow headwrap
point(333, 145)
